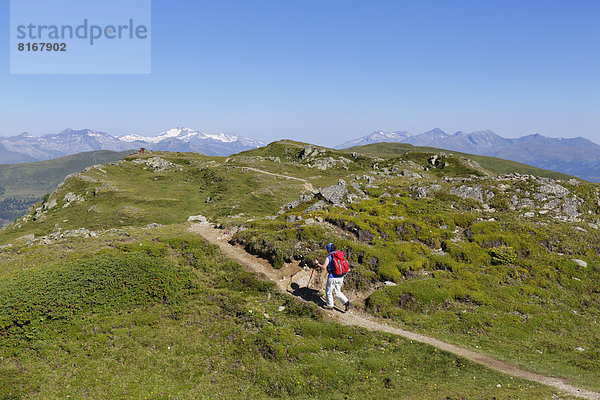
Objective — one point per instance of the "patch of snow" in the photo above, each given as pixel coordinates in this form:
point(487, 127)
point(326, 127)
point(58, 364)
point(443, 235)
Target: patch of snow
point(133, 138)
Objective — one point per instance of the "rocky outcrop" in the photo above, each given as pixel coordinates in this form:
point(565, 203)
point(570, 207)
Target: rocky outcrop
point(554, 189)
point(326, 163)
point(305, 198)
point(408, 174)
point(71, 197)
point(362, 235)
point(156, 163)
point(50, 205)
point(201, 219)
point(309, 152)
point(334, 194)
point(425, 191)
point(319, 205)
point(472, 192)
point(570, 208)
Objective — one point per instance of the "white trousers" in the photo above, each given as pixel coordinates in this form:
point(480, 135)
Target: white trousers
point(334, 287)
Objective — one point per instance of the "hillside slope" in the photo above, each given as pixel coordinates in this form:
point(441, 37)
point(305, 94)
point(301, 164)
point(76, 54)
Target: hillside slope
point(494, 165)
point(506, 265)
point(574, 156)
point(11, 157)
point(23, 184)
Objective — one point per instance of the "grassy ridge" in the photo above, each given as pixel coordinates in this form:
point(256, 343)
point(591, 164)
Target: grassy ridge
point(131, 194)
point(495, 165)
point(106, 334)
point(38, 178)
point(23, 184)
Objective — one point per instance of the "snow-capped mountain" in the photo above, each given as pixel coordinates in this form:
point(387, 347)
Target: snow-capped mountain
point(574, 156)
point(376, 137)
point(188, 135)
point(25, 147)
point(61, 144)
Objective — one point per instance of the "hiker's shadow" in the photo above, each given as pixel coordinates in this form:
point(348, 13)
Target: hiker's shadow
point(306, 294)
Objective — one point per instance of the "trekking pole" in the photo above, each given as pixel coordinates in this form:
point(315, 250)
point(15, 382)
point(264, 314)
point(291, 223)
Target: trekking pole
point(309, 279)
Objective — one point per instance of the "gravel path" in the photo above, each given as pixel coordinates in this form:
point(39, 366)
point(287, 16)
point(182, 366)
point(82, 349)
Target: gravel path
point(283, 279)
point(307, 185)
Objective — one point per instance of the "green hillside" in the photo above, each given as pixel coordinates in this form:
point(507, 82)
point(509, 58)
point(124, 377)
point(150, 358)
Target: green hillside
point(104, 283)
point(492, 164)
point(157, 314)
point(23, 184)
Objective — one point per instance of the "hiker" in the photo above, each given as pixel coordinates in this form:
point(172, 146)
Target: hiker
point(335, 262)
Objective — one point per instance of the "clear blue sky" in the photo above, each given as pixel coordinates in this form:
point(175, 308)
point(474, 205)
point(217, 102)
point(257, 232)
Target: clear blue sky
point(328, 71)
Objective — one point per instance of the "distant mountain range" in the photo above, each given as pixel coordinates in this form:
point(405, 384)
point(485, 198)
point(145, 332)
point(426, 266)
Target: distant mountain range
point(574, 156)
point(28, 148)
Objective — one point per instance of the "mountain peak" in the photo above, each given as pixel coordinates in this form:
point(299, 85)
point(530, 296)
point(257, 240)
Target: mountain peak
point(377, 137)
point(436, 131)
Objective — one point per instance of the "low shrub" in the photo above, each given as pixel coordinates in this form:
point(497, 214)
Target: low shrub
point(99, 283)
point(389, 272)
point(151, 249)
point(503, 255)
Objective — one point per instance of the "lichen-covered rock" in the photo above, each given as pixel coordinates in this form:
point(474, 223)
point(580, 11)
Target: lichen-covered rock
point(334, 194)
point(365, 236)
point(310, 152)
point(357, 188)
point(71, 197)
point(305, 198)
point(38, 214)
point(570, 207)
point(201, 219)
point(580, 262)
point(50, 205)
point(352, 198)
point(81, 232)
point(369, 178)
point(517, 204)
point(425, 191)
point(554, 189)
point(552, 204)
point(156, 163)
point(317, 206)
point(472, 192)
point(325, 163)
point(410, 175)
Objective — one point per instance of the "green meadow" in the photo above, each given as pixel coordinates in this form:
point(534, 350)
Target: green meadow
point(105, 294)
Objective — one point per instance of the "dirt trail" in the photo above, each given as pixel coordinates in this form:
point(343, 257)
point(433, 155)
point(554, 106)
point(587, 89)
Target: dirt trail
point(283, 280)
point(307, 185)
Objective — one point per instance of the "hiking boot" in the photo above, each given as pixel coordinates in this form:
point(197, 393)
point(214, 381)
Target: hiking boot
point(347, 306)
